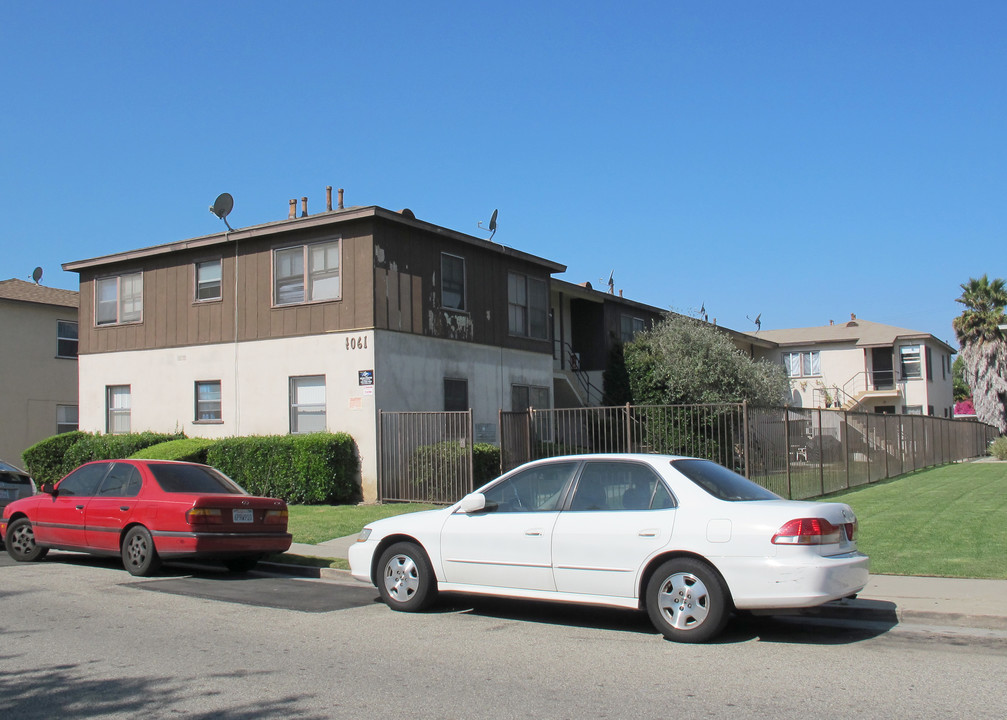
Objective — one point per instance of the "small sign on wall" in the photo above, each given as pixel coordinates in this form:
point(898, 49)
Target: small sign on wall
point(365, 378)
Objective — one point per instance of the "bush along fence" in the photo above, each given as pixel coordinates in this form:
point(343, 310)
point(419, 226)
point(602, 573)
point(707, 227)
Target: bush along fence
point(798, 453)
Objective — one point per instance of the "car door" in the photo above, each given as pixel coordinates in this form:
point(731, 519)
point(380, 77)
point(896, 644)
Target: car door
point(620, 514)
point(112, 506)
point(509, 544)
point(59, 518)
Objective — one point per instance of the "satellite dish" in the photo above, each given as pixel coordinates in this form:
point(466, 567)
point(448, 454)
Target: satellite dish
point(36, 275)
point(493, 224)
point(222, 207)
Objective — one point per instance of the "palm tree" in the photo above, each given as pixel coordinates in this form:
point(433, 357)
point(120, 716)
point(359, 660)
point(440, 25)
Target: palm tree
point(983, 348)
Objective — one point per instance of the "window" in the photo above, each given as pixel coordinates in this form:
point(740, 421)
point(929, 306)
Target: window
point(912, 409)
point(523, 397)
point(909, 355)
point(66, 418)
point(930, 363)
point(528, 306)
point(208, 280)
point(208, 400)
point(930, 410)
point(619, 486)
point(452, 282)
point(537, 489)
point(83, 481)
point(117, 409)
point(629, 326)
point(802, 364)
point(720, 482)
point(118, 299)
point(320, 281)
point(456, 394)
point(66, 339)
point(179, 478)
point(123, 480)
point(307, 404)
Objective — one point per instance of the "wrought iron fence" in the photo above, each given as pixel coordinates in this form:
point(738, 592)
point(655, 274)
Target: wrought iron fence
point(424, 456)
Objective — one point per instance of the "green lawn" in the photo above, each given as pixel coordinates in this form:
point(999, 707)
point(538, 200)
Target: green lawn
point(949, 521)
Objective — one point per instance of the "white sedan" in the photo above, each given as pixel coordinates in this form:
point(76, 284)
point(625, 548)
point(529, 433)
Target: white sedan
point(686, 539)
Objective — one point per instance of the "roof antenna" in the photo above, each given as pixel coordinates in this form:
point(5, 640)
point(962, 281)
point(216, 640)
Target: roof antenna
point(611, 282)
point(36, 275)
point(757, 321)
point(222, 207)
point(493, 225)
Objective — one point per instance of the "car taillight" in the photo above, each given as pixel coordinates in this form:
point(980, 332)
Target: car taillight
point(851, 530)
point(808, 531)
point(275, 516)
point(204, 516)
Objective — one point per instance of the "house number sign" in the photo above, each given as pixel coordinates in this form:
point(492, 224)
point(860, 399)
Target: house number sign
point(356, 343)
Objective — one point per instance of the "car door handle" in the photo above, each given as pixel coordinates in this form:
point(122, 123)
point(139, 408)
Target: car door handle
point(124, 508)
point(80, 507)
point(649, 532)
point(534, 532)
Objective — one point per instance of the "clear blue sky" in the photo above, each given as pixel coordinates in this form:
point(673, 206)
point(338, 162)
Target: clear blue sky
point(798, 160)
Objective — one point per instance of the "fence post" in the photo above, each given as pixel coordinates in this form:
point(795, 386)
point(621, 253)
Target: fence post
point(821, 454)
point(629, 429)
point(846, 445)
point(531, 419)
point(472, 452)
point(786, 448)
point(500, 425)
point(381, 479)
point(746, 444)
point(888, 473)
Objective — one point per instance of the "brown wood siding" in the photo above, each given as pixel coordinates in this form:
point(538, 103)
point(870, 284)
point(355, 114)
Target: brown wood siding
point(171, 317)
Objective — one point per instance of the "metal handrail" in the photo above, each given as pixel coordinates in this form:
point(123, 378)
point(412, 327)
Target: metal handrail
point(581, 375)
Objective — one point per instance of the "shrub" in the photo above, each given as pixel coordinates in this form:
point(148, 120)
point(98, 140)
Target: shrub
point(50, 459)
point(315, 469)
point(998, 448)
point(485, 463)
point(188, 449)
point(44, 460)
point(438, 471)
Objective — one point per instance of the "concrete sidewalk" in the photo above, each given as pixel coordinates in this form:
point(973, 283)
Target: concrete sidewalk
point(920, 600)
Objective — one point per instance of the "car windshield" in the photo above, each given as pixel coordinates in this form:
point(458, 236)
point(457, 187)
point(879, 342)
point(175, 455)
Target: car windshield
point(722, 483)
point(193, 479)
point(14, 478)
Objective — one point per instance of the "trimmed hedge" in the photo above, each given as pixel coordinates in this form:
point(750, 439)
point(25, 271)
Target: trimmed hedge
point(314, 469)
point(485, 463)
point(50, 459)
point(436, 469)
point(187, 449)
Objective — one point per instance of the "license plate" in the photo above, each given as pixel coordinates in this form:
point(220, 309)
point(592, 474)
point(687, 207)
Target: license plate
point(242, 516)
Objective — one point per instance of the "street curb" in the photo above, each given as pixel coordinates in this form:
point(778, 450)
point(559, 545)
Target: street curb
point(304, 570)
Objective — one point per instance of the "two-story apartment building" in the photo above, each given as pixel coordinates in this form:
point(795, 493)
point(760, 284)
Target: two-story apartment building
point(311, 323)
point(866, 366)
point(38, 365)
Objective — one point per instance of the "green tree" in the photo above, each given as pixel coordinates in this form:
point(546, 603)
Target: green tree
point(983, 349)
point(962, 390)
point(684, 361)
point(615, 380)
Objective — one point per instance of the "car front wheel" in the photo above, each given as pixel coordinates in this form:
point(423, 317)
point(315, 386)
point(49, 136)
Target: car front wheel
point(405, 578)
point(138, 553)
point(20, 542)
point(687, 601)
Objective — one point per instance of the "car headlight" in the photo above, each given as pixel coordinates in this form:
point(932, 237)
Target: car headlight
point(364, 534)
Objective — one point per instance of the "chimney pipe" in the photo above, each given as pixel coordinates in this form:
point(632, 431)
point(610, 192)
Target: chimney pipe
point(340, 198)
point(328, 197)
point(853, 316)
point(293, 209)
point(304, 207)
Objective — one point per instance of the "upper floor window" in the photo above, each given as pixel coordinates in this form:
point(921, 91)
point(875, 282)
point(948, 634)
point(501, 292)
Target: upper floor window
point(306, 273)
point(118, 299)
point(528, 306)
point(66, 418)
point(629, 326)
point(208, 277)
point(66, 339)
point(452, 282)
point(909, 356)
point(208, 400)
point(802, 364)
point(930, 363)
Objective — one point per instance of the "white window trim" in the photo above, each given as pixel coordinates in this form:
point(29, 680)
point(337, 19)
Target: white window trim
point(119, 299)
point(195, 280)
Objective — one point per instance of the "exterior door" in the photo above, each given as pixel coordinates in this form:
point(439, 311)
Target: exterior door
point(883, 375)
point(60, 521)
point(112, 507)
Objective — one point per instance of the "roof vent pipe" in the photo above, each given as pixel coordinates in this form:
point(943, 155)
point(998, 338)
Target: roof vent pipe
point(340, 198)
point(293, 209)
point(304, 207)
point(328, 197)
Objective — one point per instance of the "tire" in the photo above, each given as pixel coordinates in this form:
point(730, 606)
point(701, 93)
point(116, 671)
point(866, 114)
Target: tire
point(405, 578)
point(138, 553)
point(687, 601)
point(242, 564)
point(20, 542)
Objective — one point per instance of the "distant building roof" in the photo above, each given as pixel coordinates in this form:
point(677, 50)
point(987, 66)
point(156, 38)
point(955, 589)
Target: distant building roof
point(863, 333)
point(23, 291)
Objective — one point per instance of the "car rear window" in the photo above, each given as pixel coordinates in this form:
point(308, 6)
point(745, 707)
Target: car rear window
point(722, 483)
point(14, 478)
point(193, 479)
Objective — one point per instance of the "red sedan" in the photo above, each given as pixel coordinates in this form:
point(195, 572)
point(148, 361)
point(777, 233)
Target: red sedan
point(146, 511)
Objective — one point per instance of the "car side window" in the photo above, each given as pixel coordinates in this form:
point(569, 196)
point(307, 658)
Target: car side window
point(83, 481)
point(620, 486)
point(123, 480)
point(537, 489)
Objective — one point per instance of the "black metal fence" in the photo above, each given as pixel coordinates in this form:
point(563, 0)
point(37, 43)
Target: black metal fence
point(798, 453)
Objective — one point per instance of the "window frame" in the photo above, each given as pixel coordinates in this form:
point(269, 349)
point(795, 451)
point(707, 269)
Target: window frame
point(113, 413)
point(905, 350)
point(448, 407)
point(196, 285)
point(462, 292)
point(522, 316)
point(207, 403)
point(62, 339)
point(814, 357)
point(122, 317)
point(64, 422)
point(636, 325)
point(516, 388)
point(309, 278)
point(300, 410)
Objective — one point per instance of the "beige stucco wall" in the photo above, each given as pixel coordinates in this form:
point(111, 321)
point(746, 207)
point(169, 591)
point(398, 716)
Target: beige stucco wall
point(34, 380)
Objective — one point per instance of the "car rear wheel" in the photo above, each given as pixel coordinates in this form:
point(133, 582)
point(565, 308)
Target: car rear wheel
point(138, 553)
point(241, 564)
point(687, 601)
point(20, 542)
point(405, 578)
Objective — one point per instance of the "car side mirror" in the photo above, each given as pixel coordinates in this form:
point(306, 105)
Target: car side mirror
point(473, 503)
point(48, 488)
